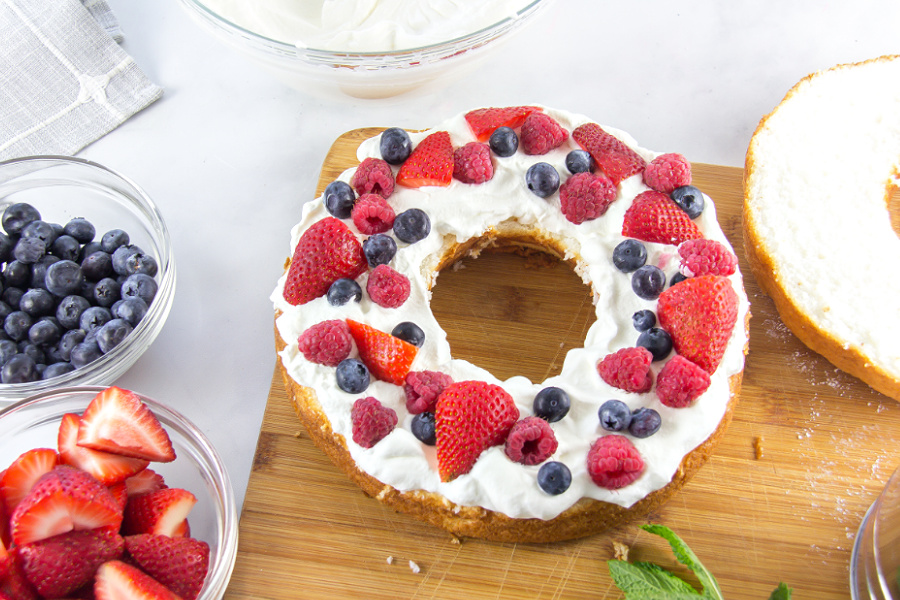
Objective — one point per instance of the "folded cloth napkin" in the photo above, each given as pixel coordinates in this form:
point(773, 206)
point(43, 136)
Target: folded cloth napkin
point(64, 81)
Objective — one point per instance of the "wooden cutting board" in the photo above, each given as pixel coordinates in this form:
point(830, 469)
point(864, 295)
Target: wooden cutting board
point(807, 452)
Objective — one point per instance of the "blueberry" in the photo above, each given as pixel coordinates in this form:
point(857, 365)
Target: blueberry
point(542, 179)
point(343, 291)
point(614, 415)
point(16, 274)
point(8, 349)
point(648, 282)
point(395, 146)
point(629, 255)
point(17, 216)
point(12, 296)
point(37, 302)
point(339, 199)
point(141, 286)
point(94, 317)
point(57, 369)
point(85, 353)
point(643, 320)
point(690, 199)
point(68, 341)
point(69, 310)
point(97, 265)
point(31, 350)
point(107, 292)
point(66, 247)
point(677, 278)
point(112, 239)
point(554, 478)
point(39, 270)
point(579, 161)
point(81, 229)
point(379, 249)
point(551, 404)
point(64, 278)
point(644, 422)
point(6, 246)
point(141, 262)
point(90, 248)
point(504, 142)
point(21, 368)
point(409, 332)
point(112, 333)
point(412, 225)
point(657, 341)
point(132, 310)
point(352, 376)
point(422, 427)
point(120, 256)
point(4, 312)
point(29, 250)
point(41, 231)
point(17, 324)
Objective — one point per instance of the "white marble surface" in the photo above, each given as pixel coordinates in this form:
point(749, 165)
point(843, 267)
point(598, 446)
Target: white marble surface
point(229, 154)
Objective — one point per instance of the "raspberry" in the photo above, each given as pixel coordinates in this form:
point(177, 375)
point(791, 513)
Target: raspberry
point(326, 343)
point(531, 441)
point(613, 462)
point(706, 257)
point(373, 176)
point(371, 421)
point(586, 196)
point(667, 172)
point(372, 214)
point(680, 382)
point(386, 287)
point(627, 369)
point(472, 163)
point(540, 134)
point(422, 389)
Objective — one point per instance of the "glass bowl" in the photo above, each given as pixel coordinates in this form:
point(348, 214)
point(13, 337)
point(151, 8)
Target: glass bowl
point(875, 562)
point(34, 423)
point(62, 188)
point(363, 74)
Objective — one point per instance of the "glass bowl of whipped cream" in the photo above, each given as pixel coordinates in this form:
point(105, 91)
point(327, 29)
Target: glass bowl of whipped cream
point(364, 48)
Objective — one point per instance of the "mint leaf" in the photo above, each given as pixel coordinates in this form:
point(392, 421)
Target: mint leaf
point(687, 557)
point(782, 592)
point(647, 581)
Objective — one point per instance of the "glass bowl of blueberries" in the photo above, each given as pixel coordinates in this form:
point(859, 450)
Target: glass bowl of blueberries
point(87, 274)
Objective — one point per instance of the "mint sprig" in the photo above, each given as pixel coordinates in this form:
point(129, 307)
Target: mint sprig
point(649, 581)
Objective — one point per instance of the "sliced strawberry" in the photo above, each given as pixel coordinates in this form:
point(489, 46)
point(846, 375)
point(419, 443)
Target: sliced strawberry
point(387, 357)
point(431, 162)
point(62, 500)
point(484, 121)
point(700, 314)
point(612, 155)
point(5, 540)
point(654, 217)
point(470, 417)
point(147, 480)
point(6, 560)
point(15, 586)
point(119, 581)
point(117, 421)
point(106, 467)
point(61, 564)
point(22, 474)
point(120, 493)
point(326, 252)
point(162, 512)
point(180, 564)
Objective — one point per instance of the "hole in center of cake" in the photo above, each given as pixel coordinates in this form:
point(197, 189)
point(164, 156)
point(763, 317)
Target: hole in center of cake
point(513, 314)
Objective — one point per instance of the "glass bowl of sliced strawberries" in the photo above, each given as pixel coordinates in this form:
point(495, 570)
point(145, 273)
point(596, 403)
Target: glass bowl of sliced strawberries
point(105, 493)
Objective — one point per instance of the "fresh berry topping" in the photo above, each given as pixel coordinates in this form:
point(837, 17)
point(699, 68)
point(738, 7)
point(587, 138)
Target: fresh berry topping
point(15, 586)
point(162, 512)
point(409, 332)
point(386, 357)
point(146, 481)
point(542, 179)
point(677, 278)
point(657, 341)
point(484, 121)
point(667, 172)
point(326, 343)
point(627, 369)
point(372, 214)
point(612, 155)
point(117, 421)
point(339, 199)
point(585, 196)
point(551, 404)
point(326, 252)
point(352, 376)
point(613, 462)
point(19, 477)
point(412, 225)
point(643, 319)
point(541, 133)
point(531, 441)
point(648, 282)
point(422, 389)
point(579, 161)
point(504, 142)
point(395, 145)
point(629, 255)
point(644, 422)
point(472, 163)
point(554, 478)
point(470, 417)
point(680, 382)
point(105, 467)
point(654, 217)
point(422, 427)
point(343, 291)
point(431, 163)
point(690, 199)
point(706, 257)
point(116, 580)
point(386, 287)
point(371, 421)
point(379, 249)
point(373, 176)
point(700, 313)
point(614, 415)
point(178, 563)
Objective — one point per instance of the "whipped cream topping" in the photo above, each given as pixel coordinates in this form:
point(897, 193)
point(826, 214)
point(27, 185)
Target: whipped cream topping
point(463, 211)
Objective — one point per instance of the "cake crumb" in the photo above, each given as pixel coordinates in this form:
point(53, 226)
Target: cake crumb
point(390, 560)
point(758, 447)
point(414, 567)
point(620, 551)
point(455, 540)
point(298, 434)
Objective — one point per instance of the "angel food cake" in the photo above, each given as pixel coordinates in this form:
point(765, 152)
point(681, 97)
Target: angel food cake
point(633, 413)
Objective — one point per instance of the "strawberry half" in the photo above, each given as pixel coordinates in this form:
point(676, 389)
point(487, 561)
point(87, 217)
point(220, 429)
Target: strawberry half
point(612, 155)
point(388, 358)
point(23, 473)
point(116, 580)
point(470, 417)
point(654, 217)
point(106, 467)
point(162, 512)
point(699, 313)
point(146, 481)
point(326, 252)
point(431, 162)
point(180, 564)
point(6, 560)
point(15, 586)
point(484, 121)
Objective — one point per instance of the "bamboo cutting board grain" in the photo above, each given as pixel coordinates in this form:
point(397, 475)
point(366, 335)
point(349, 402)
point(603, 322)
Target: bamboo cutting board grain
point(807, 452)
